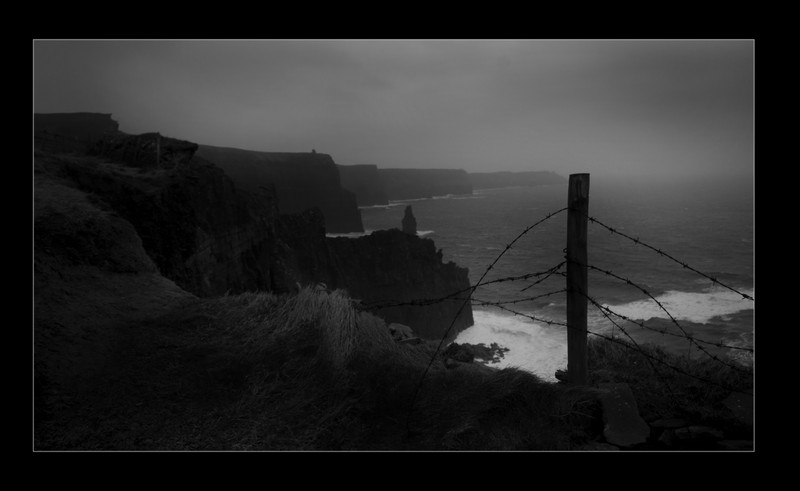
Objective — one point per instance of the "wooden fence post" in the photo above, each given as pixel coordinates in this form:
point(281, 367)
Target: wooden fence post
point(577, 278)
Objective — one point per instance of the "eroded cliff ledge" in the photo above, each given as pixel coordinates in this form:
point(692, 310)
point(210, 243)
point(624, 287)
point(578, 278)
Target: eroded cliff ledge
point(301, 180)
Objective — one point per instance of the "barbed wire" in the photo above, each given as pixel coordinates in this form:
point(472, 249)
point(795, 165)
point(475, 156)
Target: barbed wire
point(501, 306)
point(519, 300)
point(674, 321)
point(605, 308)
point(636, 240)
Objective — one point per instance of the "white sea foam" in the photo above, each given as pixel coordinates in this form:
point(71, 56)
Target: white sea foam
point(351, 235)
point(537, 349)
point(698, 307)
point(390, 205)
point(422, 233)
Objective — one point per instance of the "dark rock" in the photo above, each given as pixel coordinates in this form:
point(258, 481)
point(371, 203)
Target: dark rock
point(488, 354)
point(450, 363)
point(623, 425)
point(459, 353)
point(409, 222)
point(389, 267)
point(400, 332)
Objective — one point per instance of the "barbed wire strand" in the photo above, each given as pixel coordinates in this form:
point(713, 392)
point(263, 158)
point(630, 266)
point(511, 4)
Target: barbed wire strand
point(519, 300)
point(668, 333)
point(636, 240)
point(661, 306)
point(501, 306)
point(466, 301)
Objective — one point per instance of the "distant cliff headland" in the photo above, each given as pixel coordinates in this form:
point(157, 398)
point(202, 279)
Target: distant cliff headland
point(373, 185)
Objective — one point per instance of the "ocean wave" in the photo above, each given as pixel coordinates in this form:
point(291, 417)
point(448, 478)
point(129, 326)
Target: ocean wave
point(697, 307)
point(372, 207)
point(422, 233)
point(532, 347)
point(351, 235)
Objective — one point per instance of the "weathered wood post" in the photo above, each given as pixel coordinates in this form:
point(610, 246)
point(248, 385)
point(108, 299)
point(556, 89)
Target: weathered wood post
point(577, 278)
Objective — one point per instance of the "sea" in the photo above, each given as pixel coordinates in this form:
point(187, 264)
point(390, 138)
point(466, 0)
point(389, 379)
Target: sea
point(705, 224)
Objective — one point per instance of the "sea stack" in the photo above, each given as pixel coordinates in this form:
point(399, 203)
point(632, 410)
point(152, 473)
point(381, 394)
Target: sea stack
point(409, 222)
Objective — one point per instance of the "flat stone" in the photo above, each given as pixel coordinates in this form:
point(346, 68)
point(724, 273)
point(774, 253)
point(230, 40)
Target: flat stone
point(624, 427)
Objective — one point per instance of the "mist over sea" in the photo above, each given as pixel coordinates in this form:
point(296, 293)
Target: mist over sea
point(707, 224)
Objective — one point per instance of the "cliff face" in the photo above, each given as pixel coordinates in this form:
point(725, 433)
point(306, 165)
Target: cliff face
point(301, 180)
point(389, 266)
point(197, 229)
point(485, 180)
point(423, 183)
point(364, 181)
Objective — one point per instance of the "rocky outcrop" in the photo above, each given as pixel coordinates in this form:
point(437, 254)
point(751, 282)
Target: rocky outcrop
point(402, 184)
point(196, 227)
point(485, 180)
point(365, 183)
point(409, 222)
point(389, 267)
point(623, 425)
point(146, 151)
point(301, 181)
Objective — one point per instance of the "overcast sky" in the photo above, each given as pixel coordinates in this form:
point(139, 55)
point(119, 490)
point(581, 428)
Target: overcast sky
point(655, 108)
